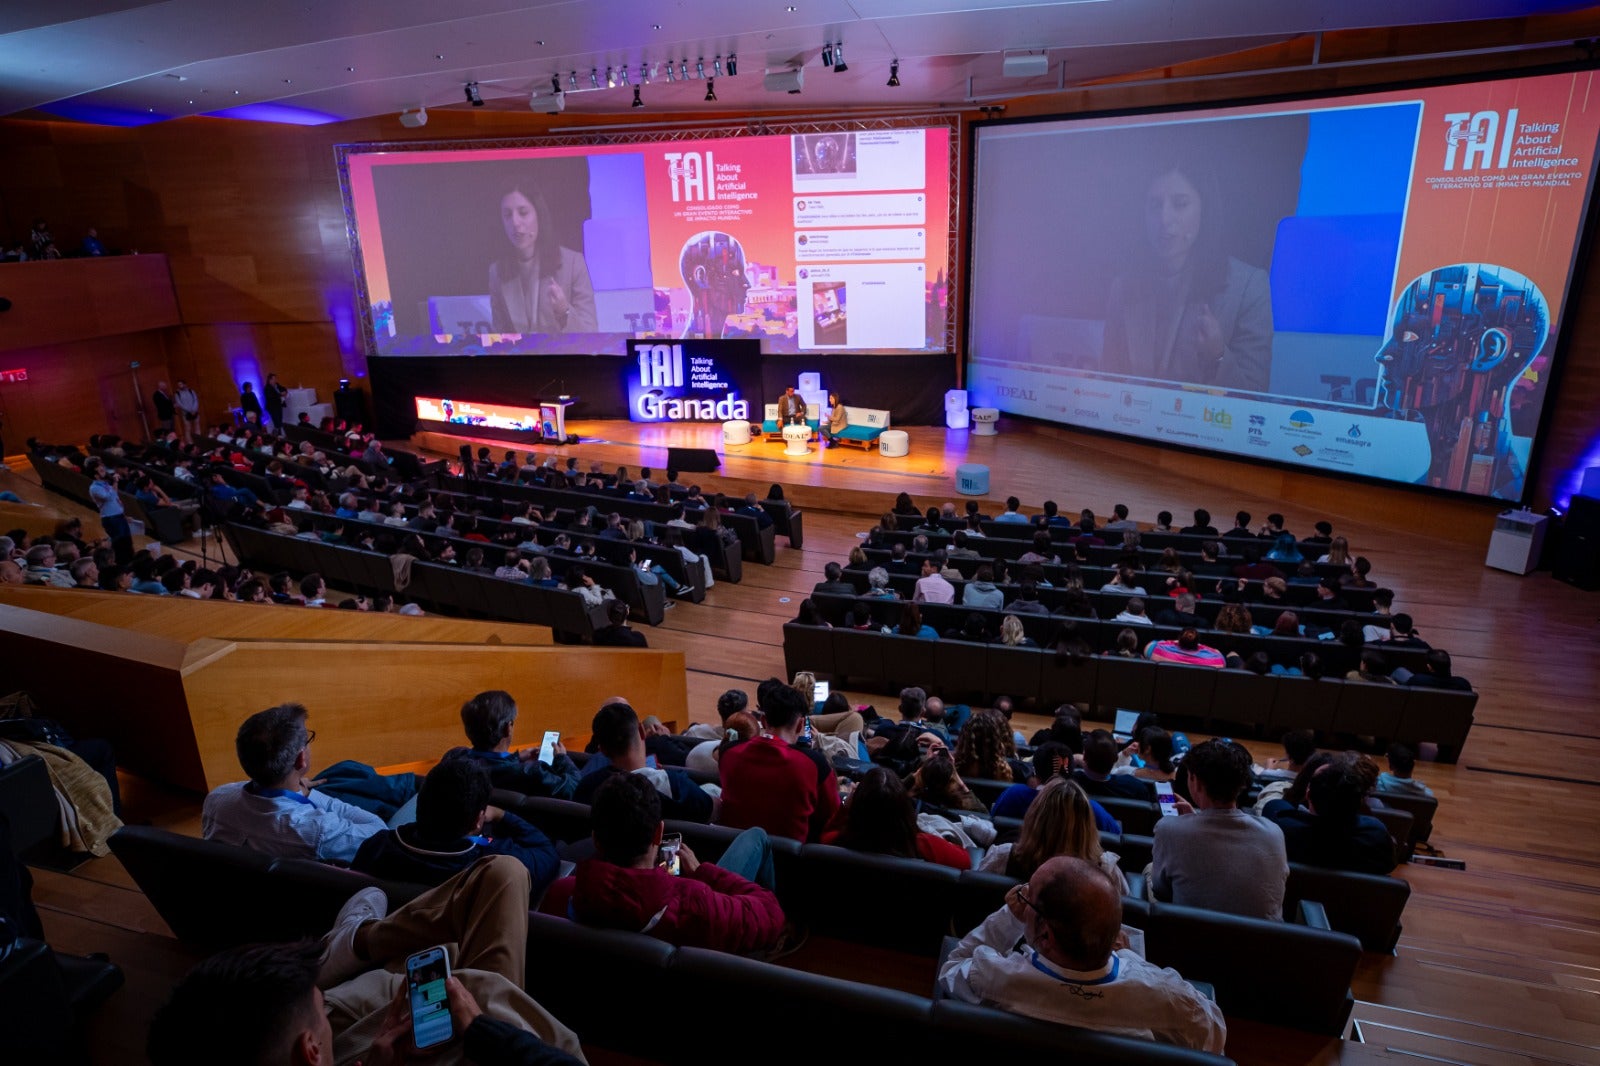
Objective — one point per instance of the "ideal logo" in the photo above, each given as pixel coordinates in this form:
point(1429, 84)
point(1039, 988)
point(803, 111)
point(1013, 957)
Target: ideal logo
point(1218, 417)
point(1481, 134)
point(1014, 392)
point(661, 365)
point(691, 176)
point(1301, 419)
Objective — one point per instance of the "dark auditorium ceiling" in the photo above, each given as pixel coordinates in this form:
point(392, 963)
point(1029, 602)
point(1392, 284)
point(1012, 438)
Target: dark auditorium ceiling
point(128, 62)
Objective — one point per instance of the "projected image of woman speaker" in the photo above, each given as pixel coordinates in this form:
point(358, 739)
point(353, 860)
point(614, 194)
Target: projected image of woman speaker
point(1187, 310)
point(535, 284)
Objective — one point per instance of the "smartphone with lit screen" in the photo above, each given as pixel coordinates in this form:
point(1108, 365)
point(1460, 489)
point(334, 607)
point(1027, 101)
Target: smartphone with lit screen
point(426, 974)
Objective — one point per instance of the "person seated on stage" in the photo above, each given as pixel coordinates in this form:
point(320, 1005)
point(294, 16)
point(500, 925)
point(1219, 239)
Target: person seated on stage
point(728, 905)
point(619, 738)
point(278, 811)
point(488, 719)
point(1058, 934)
point(772, 781)
point(838, 419)
point(292, 1003)
point(880, 818)
point(617, 633)
point(791, 408)
point(455, 827)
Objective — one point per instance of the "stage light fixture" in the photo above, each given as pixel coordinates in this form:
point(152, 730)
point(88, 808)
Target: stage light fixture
point(637, 101)
point(894, 74)
point(700, 68)
point(594, 78)
point(716, 67)
point(711, 91)
point(472, 94)
point(733, 65)
point(622, 76)
point(410, 119)
point(555, 85)
point(839, 66)
point(683, 68)
point(572, 80)
point(611, 78)
point(827, 55)
point(670, 75)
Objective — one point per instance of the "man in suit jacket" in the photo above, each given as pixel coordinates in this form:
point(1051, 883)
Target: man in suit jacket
point(791, 408)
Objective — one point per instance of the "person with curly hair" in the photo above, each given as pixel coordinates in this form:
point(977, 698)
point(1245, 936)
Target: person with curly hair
point(982, 748)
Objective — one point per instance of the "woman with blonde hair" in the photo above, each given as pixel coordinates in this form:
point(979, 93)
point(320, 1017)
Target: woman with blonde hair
point(1338, 552)
point(1011, 633)
point(1059, 822)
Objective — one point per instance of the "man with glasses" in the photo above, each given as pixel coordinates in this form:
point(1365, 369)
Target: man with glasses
point(279, 811)
point(1051, 953)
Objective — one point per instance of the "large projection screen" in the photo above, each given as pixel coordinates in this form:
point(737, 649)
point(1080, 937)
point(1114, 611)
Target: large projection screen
point(823, 239)
point(1369, 284)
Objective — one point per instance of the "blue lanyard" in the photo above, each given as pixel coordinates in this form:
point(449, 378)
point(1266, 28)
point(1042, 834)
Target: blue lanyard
point(1038, 964)
point(278, 793)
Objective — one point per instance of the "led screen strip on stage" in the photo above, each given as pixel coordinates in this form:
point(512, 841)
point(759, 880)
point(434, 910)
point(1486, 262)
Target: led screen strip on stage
point(811, 242)
point(1370, 285)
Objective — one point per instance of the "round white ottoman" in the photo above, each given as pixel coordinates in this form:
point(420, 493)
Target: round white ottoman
point(894, 442)
point(983, 420)
point(736, 433)
point(972, 479)
point(795, 439)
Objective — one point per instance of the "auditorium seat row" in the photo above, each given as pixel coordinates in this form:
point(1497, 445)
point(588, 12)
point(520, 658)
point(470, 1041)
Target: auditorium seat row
point(435, 586)
point(1270, 704)
point(163, 523)
point(217, 895)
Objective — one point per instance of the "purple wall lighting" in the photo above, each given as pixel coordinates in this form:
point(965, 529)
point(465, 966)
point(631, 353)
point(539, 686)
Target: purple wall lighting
point(101, 115)
point(340, 303)
point(1572, 480)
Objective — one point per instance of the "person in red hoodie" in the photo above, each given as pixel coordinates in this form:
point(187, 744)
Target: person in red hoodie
point(774, 781)
point(704, 905)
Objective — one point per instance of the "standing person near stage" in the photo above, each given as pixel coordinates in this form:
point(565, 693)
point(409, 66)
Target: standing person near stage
point(188, 404)
point(166, 413)
point(838, 418)
point(103, 491)
point(275, 395)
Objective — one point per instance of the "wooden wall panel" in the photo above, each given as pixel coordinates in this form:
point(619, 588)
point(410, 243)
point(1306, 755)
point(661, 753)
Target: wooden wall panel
point(77, 389)
point(66, 300)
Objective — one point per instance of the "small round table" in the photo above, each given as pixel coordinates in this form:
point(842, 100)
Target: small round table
point(736, 433)
point(972, 479)
point(795, 439)
point(983, 421)
point(894, 442)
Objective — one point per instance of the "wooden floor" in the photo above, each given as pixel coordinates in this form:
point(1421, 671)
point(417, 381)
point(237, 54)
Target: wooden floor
point(1499, 964)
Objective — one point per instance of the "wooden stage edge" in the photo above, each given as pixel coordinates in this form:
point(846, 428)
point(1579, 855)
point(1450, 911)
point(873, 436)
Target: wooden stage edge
point(1032, 461)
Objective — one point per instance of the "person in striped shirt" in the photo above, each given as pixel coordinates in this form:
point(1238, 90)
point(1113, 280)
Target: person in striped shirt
point(1187, 649)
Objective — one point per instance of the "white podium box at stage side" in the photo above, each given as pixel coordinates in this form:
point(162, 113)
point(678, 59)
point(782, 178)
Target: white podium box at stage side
point(972, 479)
point(1517, 539)
point(810, 389)
point(795, 439)
point(894, 443)
point(955, 409)
point(983, 421)
point(735, 433)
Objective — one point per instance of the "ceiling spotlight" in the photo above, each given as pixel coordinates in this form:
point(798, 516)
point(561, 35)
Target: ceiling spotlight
point(683, 69)
point(644, 74)
point(733, 65)
point(700, 69)
point(414, 119)
point(637, 102)
point(827, 55)
point(670, 75)
point(894, 74)
point(622, 75)
point(594, 78)
point(472, 94)
point(572, 80)
point(716, 67)
point(555, 84)
point(711, 92)
point(611, 79)
point(839, 66)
